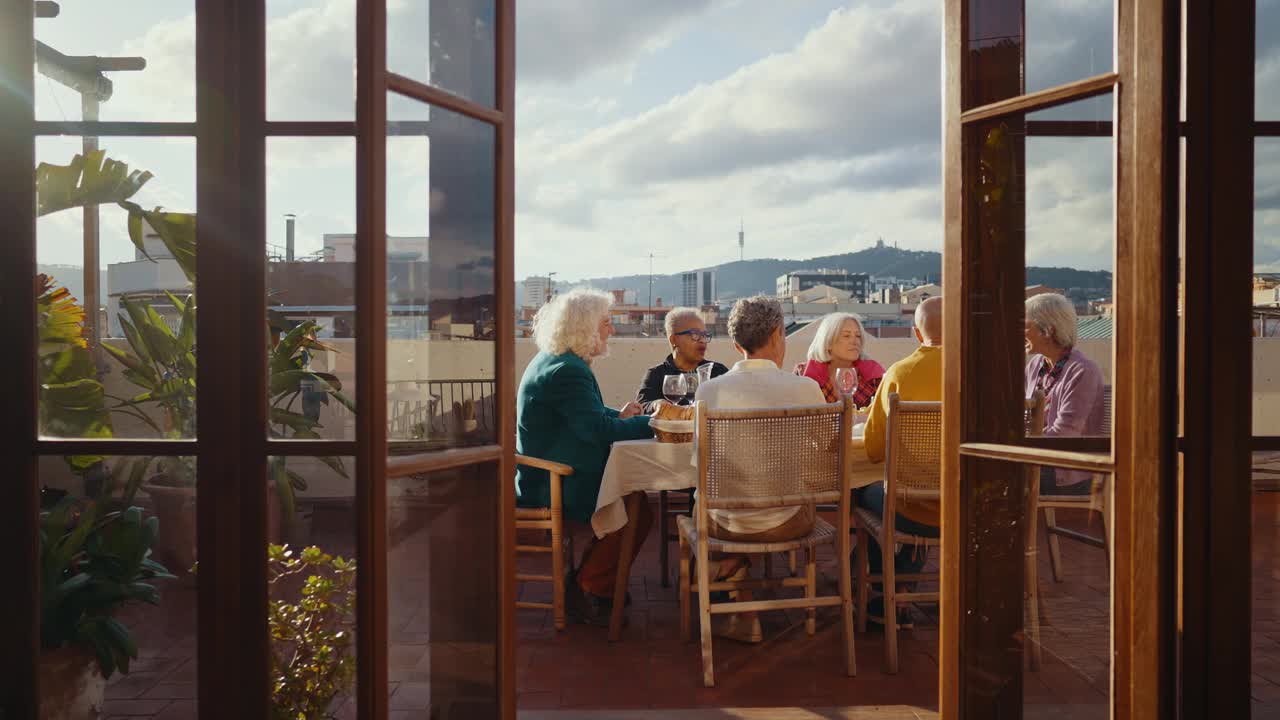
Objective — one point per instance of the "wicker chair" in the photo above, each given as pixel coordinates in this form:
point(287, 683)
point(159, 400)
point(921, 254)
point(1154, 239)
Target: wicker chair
point(913, 472)
point(755, 459)
point(549, 520)
point(1096, 501)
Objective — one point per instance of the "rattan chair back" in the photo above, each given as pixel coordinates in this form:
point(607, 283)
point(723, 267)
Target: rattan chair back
point(772, 457)
point(913, 457)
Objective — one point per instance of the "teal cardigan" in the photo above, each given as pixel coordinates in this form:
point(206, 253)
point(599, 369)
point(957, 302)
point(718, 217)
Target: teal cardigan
point(560, 416)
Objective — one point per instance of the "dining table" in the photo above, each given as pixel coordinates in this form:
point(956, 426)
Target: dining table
point(637, 467)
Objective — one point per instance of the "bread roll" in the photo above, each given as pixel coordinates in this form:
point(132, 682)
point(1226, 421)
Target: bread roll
point(675, 412)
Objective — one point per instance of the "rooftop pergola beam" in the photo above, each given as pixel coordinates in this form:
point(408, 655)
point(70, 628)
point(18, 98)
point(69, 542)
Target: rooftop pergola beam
point(47, 9)
point(83, 73)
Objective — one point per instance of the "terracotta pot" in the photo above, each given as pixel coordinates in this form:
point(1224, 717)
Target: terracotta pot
point(175, 546)
point(71, 685)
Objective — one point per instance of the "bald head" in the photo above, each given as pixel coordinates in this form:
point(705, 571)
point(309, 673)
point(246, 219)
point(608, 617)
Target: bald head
point(929, 321)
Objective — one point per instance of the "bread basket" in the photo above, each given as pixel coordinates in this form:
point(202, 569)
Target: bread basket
point(673, 424)
point(672, 431)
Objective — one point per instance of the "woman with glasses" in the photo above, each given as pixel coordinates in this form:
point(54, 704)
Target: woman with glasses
point(688, 337)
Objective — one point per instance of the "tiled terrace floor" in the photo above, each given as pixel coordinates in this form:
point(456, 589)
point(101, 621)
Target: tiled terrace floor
point(579, 674)
point(650, 668)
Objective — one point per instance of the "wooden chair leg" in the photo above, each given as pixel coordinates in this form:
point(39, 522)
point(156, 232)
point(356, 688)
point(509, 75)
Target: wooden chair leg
point(889, 584)
point(1106, 520)
point(1032, 594)
point(846, 603)
point(1055, 550)
point(624, 565)
point(685, 614)
point(864, 582)
point(663, 542)
point(557, 572)
point(811, 586)
point(791, 562)
point(704, 613)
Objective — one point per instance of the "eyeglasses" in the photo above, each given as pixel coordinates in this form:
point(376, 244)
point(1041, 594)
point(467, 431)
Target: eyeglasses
point(703, 335)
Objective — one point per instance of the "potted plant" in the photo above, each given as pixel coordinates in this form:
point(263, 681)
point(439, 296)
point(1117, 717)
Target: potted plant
point(311, 619)
point(161, 361)
point(92, 562)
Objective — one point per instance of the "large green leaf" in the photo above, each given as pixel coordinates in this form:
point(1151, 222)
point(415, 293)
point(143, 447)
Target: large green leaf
point(92, 179)
point(176, 230)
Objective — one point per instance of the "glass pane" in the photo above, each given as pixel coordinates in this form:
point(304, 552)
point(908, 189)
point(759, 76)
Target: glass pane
point(121, 496)
point(311, 60)
point(312, 546)
point(449, 45)
point(1266, 422)
point(103, 387)
point(440, 284)
point(1072, 601)
point(1267, 67)
point(1070, 252)
point(443, 587)
point(311, 286)
point(1068, 41)
point(995, 51)
point(134, 64)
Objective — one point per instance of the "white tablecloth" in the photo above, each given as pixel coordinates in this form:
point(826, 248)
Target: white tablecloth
point(644, 465)
point(638, 465)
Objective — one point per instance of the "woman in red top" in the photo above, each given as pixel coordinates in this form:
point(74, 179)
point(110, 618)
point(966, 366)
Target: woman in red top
point(839, 344)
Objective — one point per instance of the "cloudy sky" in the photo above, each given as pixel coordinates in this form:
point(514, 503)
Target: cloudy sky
point(647, 127)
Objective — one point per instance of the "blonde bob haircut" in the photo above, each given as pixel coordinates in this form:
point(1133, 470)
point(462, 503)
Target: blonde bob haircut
point(1055, 316)
point(828, 330)
point(571, 323)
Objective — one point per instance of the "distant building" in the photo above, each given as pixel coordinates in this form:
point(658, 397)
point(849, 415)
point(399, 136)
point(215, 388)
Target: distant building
point(699, 288)
point(1033, 290)
point(877, 284)
point(537, 291)
point(917, 295)
point(793, 283)
point(146, 279)
point(823, 294)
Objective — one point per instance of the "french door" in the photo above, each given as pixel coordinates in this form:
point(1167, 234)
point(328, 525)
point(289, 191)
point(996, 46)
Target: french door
point(1015, 115)
point(1168, 110)
point(395, 455)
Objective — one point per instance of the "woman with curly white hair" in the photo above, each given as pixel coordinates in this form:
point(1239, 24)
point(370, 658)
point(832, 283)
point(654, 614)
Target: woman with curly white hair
point(561, 417)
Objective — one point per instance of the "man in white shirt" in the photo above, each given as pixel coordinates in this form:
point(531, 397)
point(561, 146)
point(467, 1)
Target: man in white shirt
point(757, 330)
point(758, 381)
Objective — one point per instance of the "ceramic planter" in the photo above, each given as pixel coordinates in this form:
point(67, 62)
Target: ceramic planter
point(71, 685)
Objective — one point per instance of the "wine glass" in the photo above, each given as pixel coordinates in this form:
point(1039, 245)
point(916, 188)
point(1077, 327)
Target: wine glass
point(704, 372)
point(674, 388)
point(846, 381)
point(691, 382)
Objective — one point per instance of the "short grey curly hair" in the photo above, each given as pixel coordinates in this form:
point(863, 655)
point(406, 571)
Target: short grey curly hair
point(753, 320)
point(677, 316)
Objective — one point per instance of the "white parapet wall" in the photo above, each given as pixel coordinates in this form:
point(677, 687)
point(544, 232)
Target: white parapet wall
point(619, 375)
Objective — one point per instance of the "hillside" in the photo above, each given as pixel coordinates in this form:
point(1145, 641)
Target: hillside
point(742, 278)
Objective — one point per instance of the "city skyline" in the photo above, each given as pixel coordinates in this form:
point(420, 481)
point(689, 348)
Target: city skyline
point(653, 127)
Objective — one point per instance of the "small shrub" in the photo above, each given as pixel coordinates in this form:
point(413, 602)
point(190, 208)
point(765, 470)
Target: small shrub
point(312, 660)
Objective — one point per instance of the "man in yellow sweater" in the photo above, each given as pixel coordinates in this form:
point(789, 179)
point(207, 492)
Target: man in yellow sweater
point(918, 376)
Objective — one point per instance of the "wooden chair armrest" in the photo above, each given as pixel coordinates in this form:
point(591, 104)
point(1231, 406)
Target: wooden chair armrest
point(553, 467)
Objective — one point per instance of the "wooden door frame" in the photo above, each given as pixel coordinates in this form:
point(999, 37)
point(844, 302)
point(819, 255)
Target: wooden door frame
point(1218, 402)
point(981, 438)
